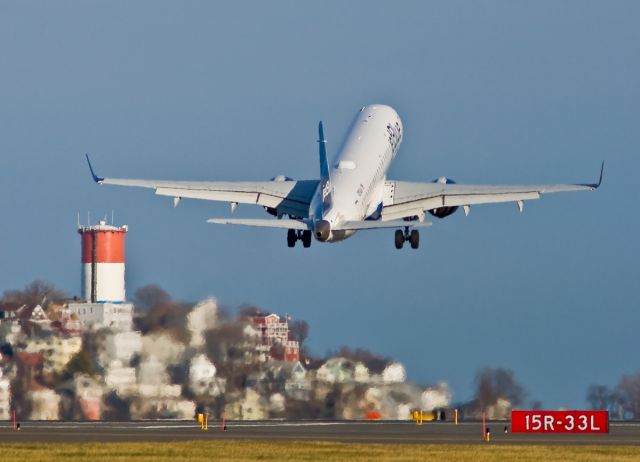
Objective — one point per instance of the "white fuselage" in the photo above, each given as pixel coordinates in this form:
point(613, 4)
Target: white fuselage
point(359, 169)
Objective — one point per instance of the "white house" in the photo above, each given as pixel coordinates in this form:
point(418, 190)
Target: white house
point(361, 373)
point(203, 316)
point(152, 372)
point(45, 403)
point(296, 385)
point(120, 379)
point(336, 370)
point(89, 393)
point(120, 346)
point(56, 351)
point(437, 397)
point(202, 375)
point(5, 398)
point(116, 316)
point(163, 408)
point(394, 373)
point(167, 350)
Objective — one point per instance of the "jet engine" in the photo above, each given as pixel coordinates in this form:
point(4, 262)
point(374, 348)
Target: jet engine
point(442, 212)
point(281, 178)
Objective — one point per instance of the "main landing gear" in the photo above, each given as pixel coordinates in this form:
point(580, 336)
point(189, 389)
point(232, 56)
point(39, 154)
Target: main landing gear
point(294, 235)
point(413, 237)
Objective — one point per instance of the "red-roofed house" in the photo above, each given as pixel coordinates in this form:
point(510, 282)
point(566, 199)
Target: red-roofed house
point(9, 311)
point(274, 334)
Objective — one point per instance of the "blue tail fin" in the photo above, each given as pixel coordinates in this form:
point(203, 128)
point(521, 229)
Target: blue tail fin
point(325, 179)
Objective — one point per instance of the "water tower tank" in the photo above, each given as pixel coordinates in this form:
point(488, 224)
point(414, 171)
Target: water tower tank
point(103, 262)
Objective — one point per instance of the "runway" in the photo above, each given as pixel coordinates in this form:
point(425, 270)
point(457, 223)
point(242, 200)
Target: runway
point(348, 432)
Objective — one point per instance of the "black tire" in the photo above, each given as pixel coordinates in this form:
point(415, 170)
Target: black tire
point(291, 238)
point(414, 239)
point(399, 239)
point(306, 239)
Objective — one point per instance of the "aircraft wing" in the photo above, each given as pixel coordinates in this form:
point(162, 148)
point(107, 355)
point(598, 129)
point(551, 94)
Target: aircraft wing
point(287, 197)
point(379, 224)
point(263, 223)
point(407, 199)
point(306, 225)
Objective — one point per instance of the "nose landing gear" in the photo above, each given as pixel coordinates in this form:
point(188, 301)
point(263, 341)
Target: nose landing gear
point(294, 235)
point(413, 237)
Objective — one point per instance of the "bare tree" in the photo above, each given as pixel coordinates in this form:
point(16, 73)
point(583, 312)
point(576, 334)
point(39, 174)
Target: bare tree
point(536, 405)
point(628, 390)
point(298, 330)
point(251, 310)
point(224, 343)
point(148, 296)
point(231, 351)
point(38, 292)
point(617, 405)
point(599, 397)
point(374, 362)
point(497, 383)
point(170, 318)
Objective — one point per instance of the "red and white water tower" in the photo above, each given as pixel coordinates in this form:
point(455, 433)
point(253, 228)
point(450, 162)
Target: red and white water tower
point(103, 262)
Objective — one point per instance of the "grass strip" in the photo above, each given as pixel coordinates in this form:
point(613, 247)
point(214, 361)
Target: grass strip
point(242, 450)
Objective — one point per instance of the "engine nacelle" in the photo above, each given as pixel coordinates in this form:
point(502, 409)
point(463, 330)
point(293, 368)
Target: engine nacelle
point(281, 178)
point(442, 212)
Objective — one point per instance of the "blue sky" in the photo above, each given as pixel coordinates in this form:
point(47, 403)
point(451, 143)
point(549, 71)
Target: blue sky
point(495, 92)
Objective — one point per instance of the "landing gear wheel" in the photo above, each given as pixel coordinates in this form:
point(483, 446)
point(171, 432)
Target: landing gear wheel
point(414, 239)
point(399, 239)
point(292, 237)
point(306, 239)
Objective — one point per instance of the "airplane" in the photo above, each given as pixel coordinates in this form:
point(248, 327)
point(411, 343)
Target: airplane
point(352, 193)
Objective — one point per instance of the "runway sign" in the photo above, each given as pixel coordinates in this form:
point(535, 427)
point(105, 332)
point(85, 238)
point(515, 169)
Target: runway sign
point(560, 421)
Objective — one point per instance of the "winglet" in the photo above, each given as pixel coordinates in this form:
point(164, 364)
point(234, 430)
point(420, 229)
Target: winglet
point(96, 178)
point(593, 186)
point(600, 180)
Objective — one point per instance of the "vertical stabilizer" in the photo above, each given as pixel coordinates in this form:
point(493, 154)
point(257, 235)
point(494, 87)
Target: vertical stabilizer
point(325, 179)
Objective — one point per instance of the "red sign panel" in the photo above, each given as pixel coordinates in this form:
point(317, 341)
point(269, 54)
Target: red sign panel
point(560, 421)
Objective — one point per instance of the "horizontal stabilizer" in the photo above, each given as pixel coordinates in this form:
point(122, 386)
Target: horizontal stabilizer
point(262, 223)
point(371, 224)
